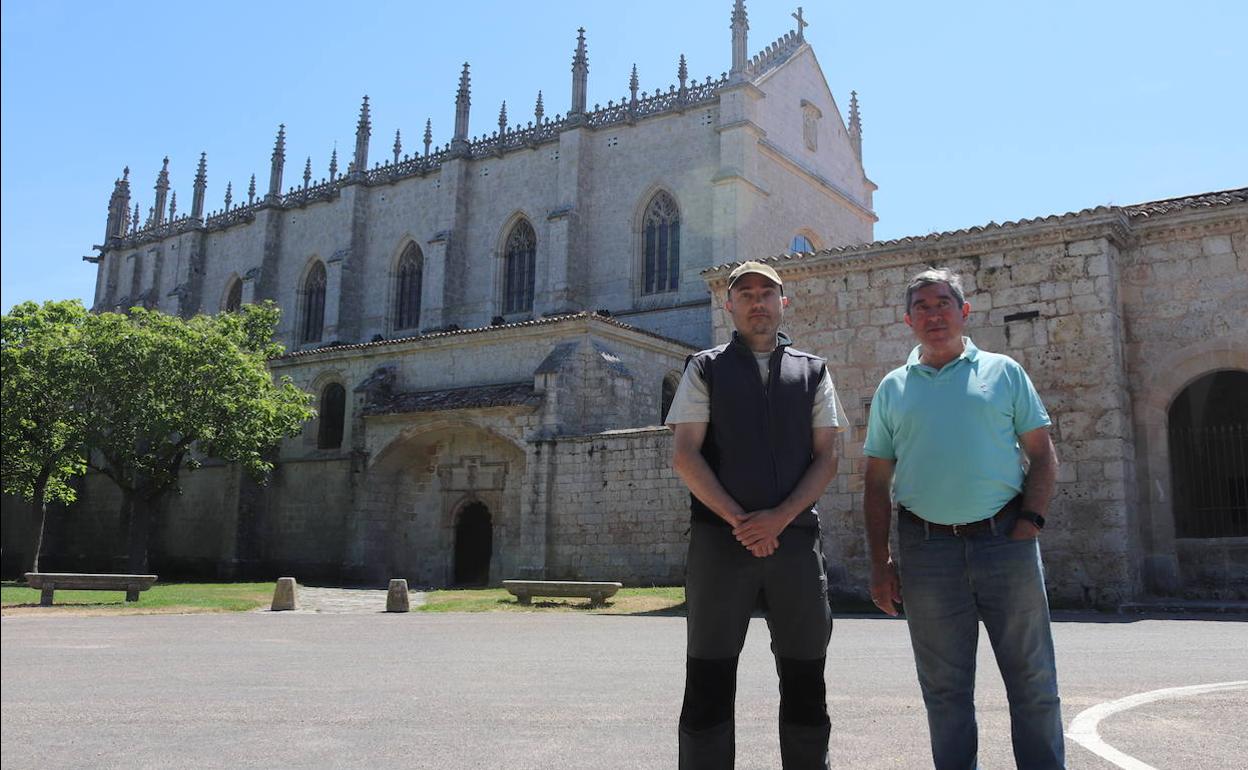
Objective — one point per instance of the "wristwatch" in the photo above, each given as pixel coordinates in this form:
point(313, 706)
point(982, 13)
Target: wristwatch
point(1036, 519)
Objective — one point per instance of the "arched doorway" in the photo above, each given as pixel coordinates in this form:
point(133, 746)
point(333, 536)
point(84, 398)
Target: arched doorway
point(474, 543)
point(1208, 426)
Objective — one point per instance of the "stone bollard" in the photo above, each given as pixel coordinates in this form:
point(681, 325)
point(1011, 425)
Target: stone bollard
point(396, 597)
point(284, 595)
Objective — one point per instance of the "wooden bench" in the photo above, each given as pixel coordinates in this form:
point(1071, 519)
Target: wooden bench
point(48, 582)
point(596, 592)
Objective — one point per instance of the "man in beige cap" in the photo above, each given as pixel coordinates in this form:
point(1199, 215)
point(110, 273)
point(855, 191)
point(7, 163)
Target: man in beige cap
point(755, 423)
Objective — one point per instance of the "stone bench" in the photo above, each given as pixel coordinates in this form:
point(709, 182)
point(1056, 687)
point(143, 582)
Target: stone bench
point(48, 582)
point(596, 592)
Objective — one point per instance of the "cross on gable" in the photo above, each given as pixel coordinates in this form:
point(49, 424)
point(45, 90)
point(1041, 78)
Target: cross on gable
point(801, 23)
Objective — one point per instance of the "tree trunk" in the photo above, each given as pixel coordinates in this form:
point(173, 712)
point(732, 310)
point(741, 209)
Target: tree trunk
point(38, 517)
point(140, 527)
point(121, 546)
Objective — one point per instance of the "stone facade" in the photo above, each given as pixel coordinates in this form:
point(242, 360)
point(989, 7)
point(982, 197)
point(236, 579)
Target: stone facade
point(750, 161)
point(534, 414)
point(544, 442)
point(542, 423)
point(1113, 312)
point(618, 509)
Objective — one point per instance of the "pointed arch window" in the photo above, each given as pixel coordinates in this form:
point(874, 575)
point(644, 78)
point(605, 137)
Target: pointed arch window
point(312, 320)
point(332, 416)
point(661, 242)
point(519, 261)
point(407, 288)
point(233, 297)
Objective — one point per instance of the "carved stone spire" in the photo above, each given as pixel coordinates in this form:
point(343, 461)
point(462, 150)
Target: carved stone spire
point(118, 207)
point(200, 187)
point(251, 191)
point(398, 145)
point(632, 87)
point(502, 119)
point(855, 125)
point(173, 205)
point(229, 195)
point(580, 75)
point(682, 74)
point(740, 42)
point(333, 164)
point(135, 221)
point(363, 130)
point(463, 101)
point(307, 173)
point(428, 135)
point(539, 111)
point(279, 161)
point(162, 190)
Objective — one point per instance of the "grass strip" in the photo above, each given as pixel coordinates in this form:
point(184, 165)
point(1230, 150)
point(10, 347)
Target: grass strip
point(170, 598)
point(659, 600)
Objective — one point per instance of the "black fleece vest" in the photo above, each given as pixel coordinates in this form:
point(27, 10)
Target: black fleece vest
point(758, 441)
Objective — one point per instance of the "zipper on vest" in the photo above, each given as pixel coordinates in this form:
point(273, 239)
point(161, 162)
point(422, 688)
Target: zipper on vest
point(772, 376)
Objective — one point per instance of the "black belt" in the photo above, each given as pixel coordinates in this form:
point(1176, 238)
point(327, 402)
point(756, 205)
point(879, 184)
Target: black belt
point(962, 530)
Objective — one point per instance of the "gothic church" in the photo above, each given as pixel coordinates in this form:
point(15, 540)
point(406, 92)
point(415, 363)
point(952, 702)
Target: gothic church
point(493, 327)
point(492, 323)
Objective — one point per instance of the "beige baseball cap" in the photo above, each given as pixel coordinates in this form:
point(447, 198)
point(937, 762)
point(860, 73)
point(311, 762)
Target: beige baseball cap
point(745, 268)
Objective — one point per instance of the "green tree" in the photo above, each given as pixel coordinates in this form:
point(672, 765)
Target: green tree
point(168, 391)
point(43, 368)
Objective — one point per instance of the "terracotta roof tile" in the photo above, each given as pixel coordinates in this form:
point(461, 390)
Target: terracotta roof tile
point(1207, 200)
point(547, 321)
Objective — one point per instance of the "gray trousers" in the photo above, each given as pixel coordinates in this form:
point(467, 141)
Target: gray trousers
point(724, 585)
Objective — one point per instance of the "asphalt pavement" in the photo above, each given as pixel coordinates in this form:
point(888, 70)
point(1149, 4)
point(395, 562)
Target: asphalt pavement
point(551, 690)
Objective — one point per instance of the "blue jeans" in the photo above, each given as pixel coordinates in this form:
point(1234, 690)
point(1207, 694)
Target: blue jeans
point(949, 584)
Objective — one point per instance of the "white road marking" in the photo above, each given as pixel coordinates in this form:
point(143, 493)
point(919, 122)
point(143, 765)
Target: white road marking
point(1083, 727)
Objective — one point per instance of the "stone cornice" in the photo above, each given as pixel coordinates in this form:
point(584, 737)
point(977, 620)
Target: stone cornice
point(1121, 226)
point(935, 248)
point(729, 176)
point(1218, 221)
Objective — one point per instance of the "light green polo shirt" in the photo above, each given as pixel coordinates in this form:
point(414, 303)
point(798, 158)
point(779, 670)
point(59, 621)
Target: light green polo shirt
point(953, 433)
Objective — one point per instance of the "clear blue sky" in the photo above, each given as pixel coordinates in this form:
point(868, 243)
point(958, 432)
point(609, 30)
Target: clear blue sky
point(972, 111)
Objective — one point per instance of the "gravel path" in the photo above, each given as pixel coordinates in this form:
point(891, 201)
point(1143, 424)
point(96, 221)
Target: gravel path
point(346, 601)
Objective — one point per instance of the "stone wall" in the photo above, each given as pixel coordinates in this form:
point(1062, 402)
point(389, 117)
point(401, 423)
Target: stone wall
point(1112, 311)
point(1183, 282)
point(851, 313)
point(1100, 308)
point(619, 512)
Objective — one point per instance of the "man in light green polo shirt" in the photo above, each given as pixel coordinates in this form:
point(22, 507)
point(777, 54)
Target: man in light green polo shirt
point(951, 432)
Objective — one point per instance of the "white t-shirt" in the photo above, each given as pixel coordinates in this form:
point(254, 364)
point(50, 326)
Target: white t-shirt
point(692, 402)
